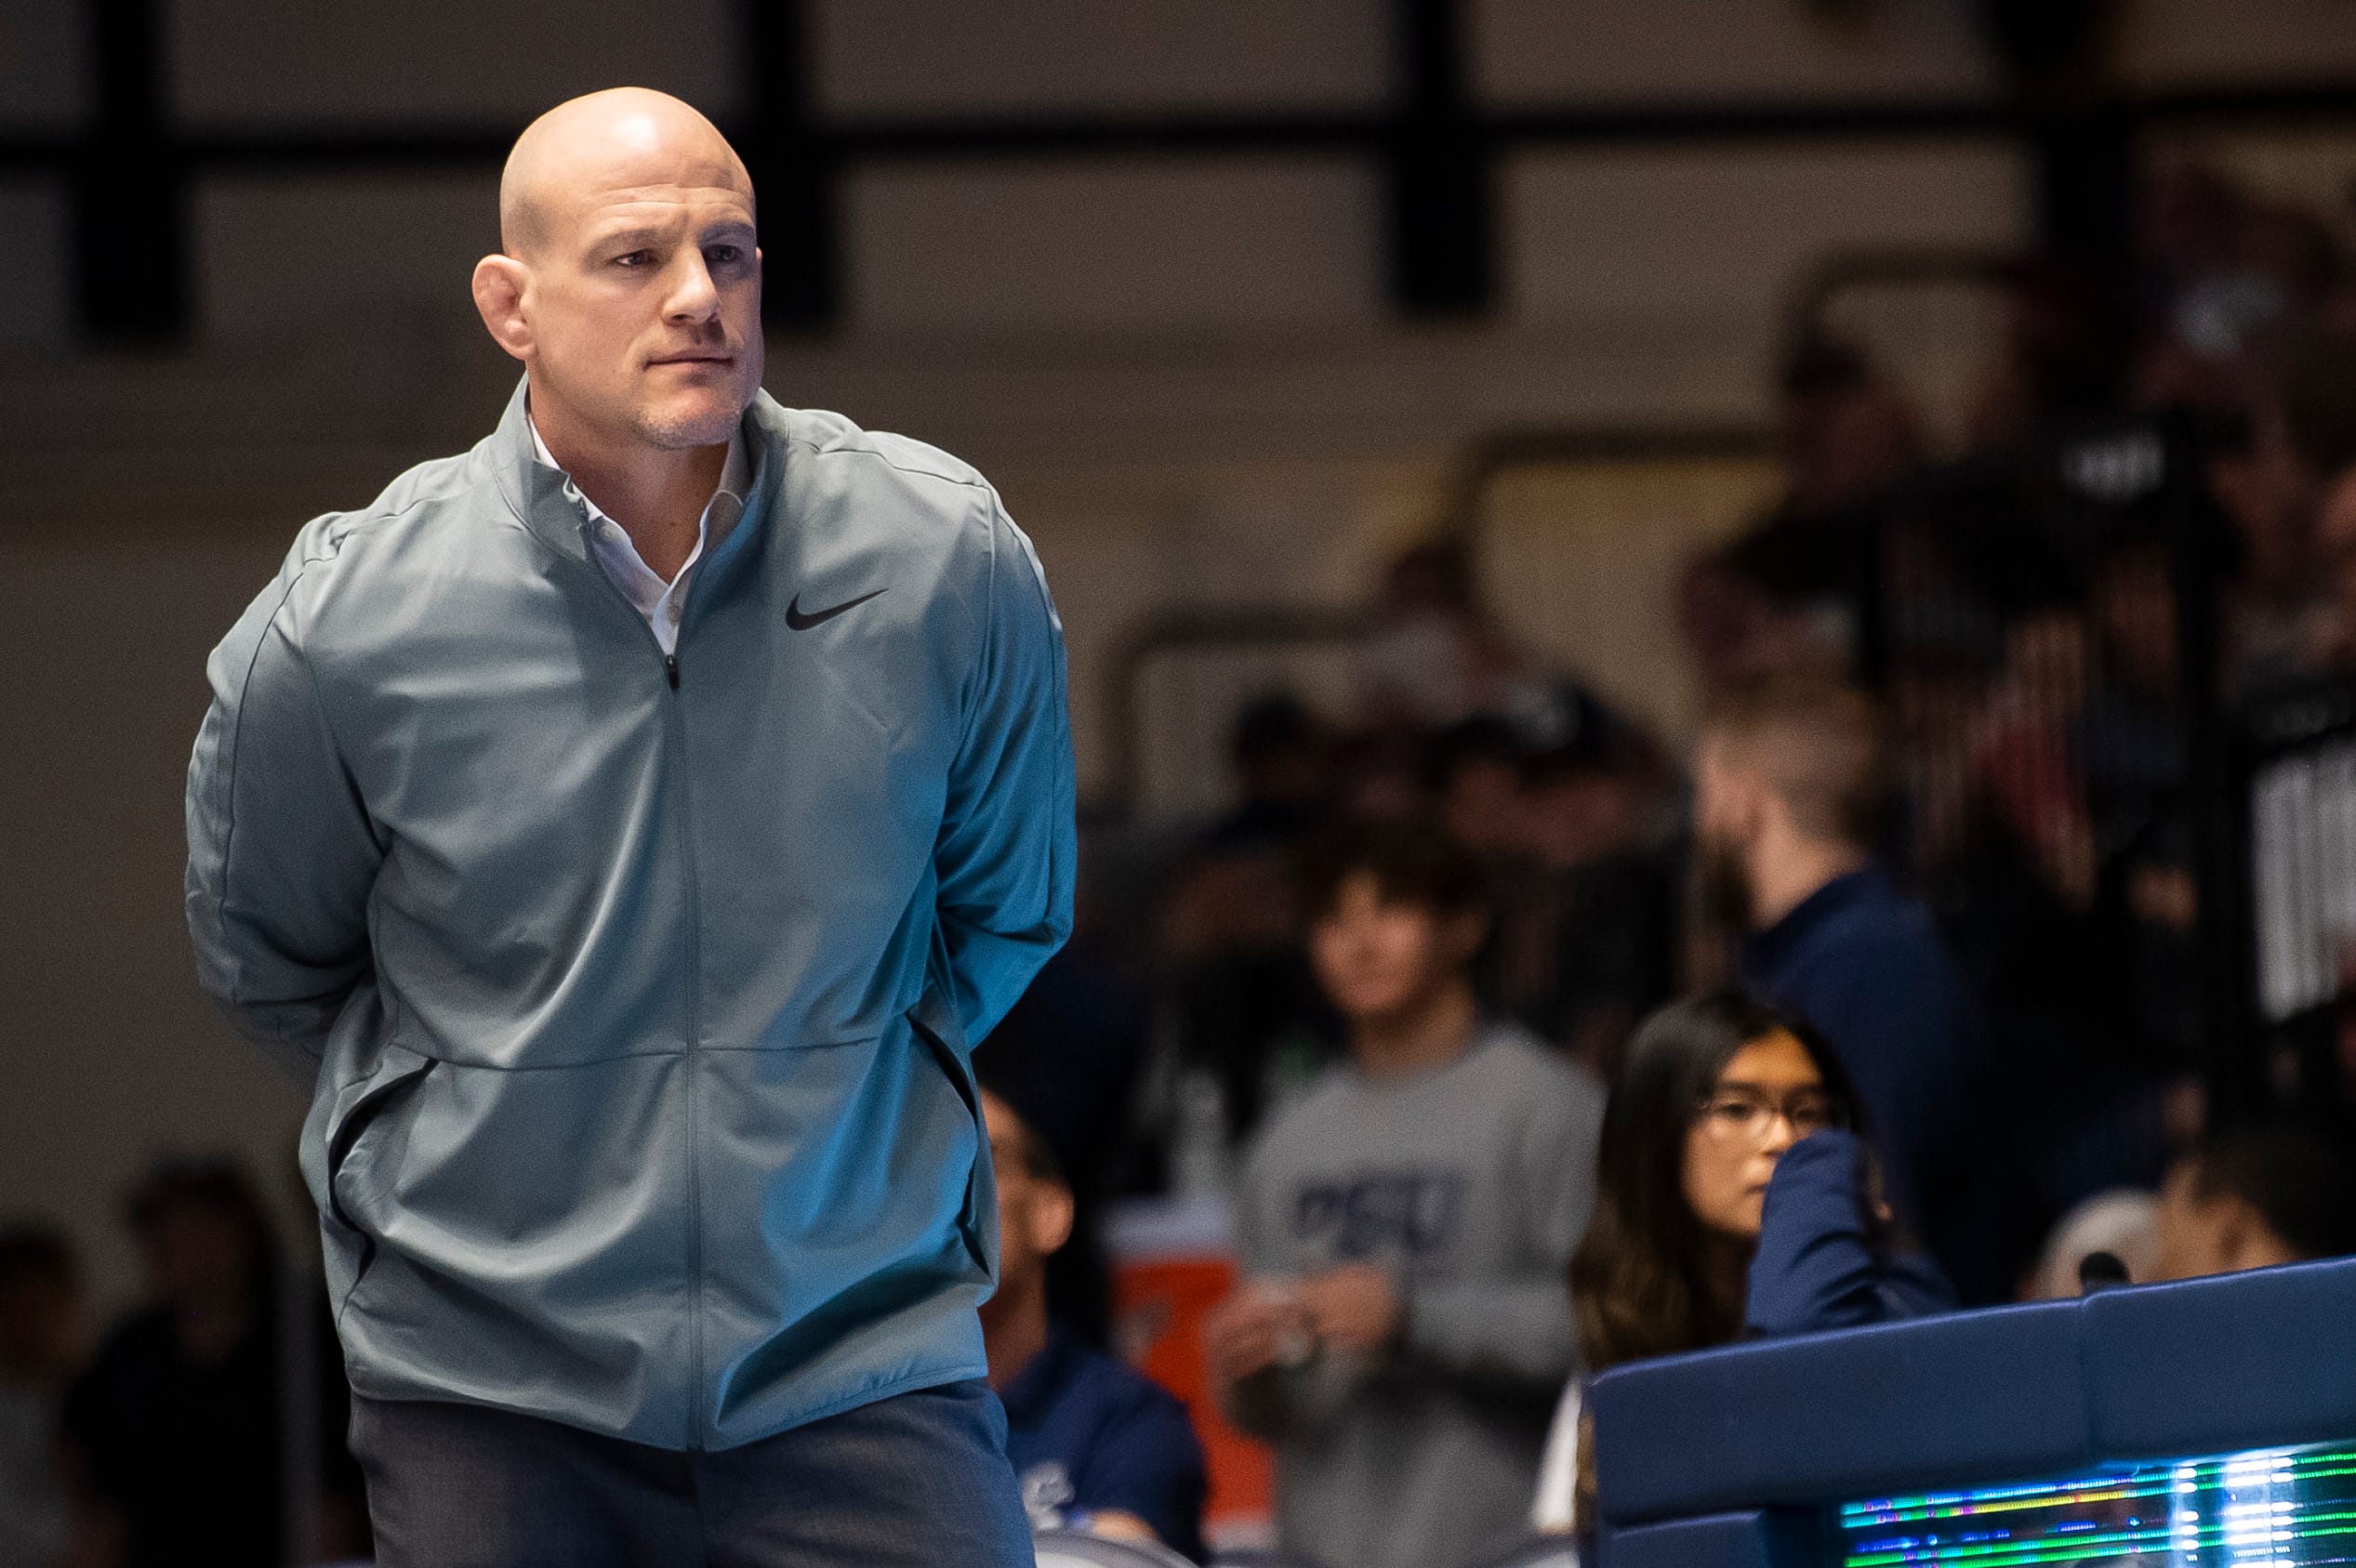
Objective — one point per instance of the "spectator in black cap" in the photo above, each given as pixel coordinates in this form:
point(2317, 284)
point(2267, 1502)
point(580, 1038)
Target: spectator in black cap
point(1557, 803)
point(1473, 770)
point(1243, 997)
point(1096, 1445)
point(1279, 750)
point(1598, 950)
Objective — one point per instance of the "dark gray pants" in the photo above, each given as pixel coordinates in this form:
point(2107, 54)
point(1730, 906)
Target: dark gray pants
point(917, 1480)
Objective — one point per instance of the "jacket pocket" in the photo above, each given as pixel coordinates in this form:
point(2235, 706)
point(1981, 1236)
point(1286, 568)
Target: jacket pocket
point(977, 1223)
point(344, 1143)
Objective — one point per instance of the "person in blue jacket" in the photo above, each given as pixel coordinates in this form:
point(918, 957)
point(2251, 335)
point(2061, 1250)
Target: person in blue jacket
point(1788, 787)
point(1096, 1445)
point(1734, 1197)
point(625, 829)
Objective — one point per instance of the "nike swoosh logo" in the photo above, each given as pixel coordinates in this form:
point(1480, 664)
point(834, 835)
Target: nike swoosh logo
point(799, 622)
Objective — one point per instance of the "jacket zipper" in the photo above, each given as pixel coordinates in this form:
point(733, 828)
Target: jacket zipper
point(674, 735)
point(675, 726)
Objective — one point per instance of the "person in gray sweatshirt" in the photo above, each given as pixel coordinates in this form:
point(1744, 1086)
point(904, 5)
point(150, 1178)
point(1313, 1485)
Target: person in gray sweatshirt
point(1402, 1327)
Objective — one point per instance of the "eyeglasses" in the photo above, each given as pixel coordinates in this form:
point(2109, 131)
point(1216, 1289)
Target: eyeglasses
point(1745, 1116)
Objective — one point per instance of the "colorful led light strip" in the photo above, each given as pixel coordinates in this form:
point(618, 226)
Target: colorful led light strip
point(2267, 1509)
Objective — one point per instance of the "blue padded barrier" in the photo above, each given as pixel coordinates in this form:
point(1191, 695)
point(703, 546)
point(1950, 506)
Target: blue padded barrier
point(2258, 1360)
point(1822, 1416)
point(1756, 1539)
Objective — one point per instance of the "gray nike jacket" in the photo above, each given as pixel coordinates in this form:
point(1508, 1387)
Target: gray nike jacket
point(638, 993)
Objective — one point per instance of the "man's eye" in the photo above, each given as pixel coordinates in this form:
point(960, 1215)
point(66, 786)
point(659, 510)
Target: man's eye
point(724, 256)
point(634, 258)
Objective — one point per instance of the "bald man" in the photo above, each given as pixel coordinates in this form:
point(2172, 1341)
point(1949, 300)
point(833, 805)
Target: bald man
point(628, 827)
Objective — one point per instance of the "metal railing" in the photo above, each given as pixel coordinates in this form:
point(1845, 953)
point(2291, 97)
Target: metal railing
point(130, 169)
point(1465, 512)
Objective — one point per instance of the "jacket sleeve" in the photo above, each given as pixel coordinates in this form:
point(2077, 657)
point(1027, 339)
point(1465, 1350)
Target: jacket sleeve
point(1276, 1404)
point(281, 853)
point(1496, 1330)
point(1514, 1330)
point(1817, 1265)
point(1007, 851)
point(1898, 999)
point(1149, 1463)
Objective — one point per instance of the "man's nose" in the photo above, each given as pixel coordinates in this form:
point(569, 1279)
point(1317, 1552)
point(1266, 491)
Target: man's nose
point(692, 297)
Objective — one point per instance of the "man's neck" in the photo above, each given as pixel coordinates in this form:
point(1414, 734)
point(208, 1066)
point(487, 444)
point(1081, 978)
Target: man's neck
point(1789, 874)
point(1431, 1032)
point(1013, 1329)
point(657, 495)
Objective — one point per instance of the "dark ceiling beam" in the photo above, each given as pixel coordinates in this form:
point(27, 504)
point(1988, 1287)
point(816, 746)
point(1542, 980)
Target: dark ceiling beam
point(130, 171)
point(303, 146)
point(130, 189)
point(796, 168)
point(1439, 174)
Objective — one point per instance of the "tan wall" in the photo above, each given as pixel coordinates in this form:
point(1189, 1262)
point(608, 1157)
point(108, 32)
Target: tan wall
point(2183, 43)
point(1181, 373)
point(44, 76)
point(111, 1055)
point(244, 62)
point(880, 58)
point(1703, 51)
point(35, 305)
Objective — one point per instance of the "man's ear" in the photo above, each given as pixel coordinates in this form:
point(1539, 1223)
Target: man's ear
point(1764, 807)
point(1746, 800)
point(1053, 1212)
point(1718, 785)
point(500, 283)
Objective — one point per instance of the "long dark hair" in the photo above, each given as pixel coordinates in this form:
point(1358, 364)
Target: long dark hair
point(1648, 1280)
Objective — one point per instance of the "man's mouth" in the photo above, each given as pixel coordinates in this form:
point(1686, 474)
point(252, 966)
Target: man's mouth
point(696, 356)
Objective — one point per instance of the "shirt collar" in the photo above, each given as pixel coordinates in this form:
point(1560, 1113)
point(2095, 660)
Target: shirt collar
point(1768, 950)
point(736, 475)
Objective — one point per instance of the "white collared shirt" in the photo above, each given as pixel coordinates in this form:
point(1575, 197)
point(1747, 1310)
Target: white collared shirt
point(663, 604)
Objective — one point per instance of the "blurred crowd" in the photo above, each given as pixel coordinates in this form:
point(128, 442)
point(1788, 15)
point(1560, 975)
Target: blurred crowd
point(2167, 439)
point(206, 1424)
point(1941, 825)
point(1930, 862)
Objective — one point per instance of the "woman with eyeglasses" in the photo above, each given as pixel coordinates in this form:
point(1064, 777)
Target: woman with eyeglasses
point(1733, 1197)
